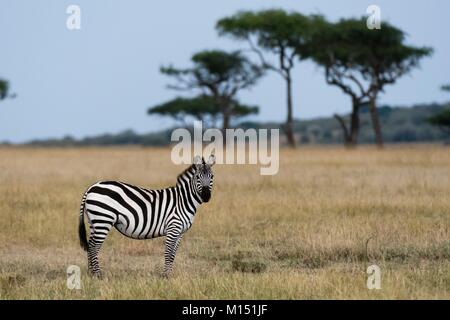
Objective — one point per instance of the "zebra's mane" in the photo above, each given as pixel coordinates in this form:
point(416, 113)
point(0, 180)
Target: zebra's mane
point(189, 170)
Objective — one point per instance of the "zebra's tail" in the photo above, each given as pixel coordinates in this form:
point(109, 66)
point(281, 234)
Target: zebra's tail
point(81, 228)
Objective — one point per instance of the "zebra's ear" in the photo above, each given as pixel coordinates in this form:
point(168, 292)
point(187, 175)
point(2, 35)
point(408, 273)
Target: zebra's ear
point(197, 162)
point(211, 160)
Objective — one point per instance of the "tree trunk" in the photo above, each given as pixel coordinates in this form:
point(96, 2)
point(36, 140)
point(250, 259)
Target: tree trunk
point(344, 129)
point(226, 117)
point(289, 127)
point(376, 121)
point(354, 124)
point(226, 122)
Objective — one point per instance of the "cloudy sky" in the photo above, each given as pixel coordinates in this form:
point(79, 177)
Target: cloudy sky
point(103, 77)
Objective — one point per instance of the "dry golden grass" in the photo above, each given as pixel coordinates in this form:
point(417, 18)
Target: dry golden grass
point(298, 235)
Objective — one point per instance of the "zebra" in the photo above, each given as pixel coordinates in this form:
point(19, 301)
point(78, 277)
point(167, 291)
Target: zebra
point(140, 213)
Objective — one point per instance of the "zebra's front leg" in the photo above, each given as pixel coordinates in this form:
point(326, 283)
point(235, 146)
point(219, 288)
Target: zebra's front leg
point(173, 240)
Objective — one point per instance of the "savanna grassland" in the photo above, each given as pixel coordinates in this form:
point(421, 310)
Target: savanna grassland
point(309, 232)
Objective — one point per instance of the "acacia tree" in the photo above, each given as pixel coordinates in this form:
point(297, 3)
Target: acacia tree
point(332, 49)
point(286, 36)
point(203, 108)
point(219, 75)
point(361, 62)
point(383, 58)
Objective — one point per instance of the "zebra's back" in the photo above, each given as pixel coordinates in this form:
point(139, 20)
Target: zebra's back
point(136, 212)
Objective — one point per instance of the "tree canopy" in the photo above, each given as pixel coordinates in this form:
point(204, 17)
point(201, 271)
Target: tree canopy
point(202, 107)
point(285, 34)
point(215, 72)
point(380, 56)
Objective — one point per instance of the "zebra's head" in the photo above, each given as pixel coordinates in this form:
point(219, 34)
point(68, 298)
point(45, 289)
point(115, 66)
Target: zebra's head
point(203, 177)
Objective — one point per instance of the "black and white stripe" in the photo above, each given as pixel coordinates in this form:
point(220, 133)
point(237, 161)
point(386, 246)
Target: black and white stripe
point(140, 213)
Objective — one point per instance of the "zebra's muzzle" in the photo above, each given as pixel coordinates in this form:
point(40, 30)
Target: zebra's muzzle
point(206, 195)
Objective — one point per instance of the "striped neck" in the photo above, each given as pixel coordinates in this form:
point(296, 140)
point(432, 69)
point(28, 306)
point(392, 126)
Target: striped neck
point(188, 196)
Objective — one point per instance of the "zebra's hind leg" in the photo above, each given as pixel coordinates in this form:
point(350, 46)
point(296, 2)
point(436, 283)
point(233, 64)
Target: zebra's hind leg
point(96, 239)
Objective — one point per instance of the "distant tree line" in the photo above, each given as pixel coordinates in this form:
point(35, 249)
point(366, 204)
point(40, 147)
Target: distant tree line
point(359, 61)
point(400, 125)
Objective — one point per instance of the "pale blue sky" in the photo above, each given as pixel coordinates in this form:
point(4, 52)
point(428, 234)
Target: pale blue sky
point(103, 77)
